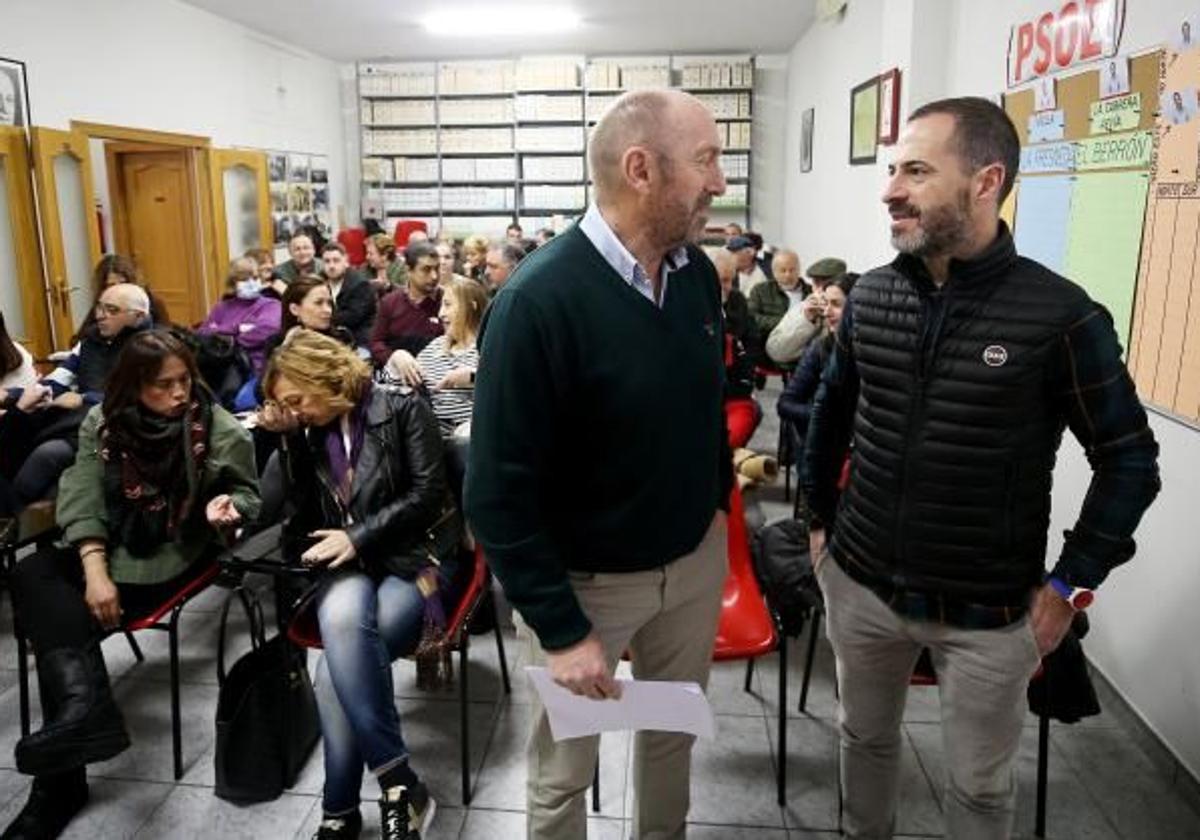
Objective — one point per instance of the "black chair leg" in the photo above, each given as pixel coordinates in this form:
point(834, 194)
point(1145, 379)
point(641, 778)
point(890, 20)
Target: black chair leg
point(781, 779)
point(22, 678)
point(1039, 829)
point(749, 675)
point(463, 723)
point(135, 647)
point(596, 786)
point(176, 725)
point(814, 628)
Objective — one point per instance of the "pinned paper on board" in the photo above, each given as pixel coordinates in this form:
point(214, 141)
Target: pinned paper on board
point(1043, 94)
point(1046, 126)
point(1178, 106)
point(1114, 77)
point(1184, 35)
point(1123, 113)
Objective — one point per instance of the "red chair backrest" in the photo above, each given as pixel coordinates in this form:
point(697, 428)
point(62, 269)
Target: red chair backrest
point(404, 229)
point(192, 587)
point(745, 628)
point(354, 240)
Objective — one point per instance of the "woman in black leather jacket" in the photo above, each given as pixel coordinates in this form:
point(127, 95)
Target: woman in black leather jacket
point(366, 465)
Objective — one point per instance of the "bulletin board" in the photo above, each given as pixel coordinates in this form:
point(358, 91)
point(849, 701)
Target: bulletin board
point(1164, 357)
point(1091, 204)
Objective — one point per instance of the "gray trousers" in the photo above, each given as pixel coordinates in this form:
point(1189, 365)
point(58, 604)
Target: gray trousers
point(982, 677)
point(667, 619)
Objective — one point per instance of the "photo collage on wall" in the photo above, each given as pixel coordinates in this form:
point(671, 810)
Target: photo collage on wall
point(299, 185)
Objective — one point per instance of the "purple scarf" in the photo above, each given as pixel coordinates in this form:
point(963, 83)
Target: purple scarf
point(341, 462)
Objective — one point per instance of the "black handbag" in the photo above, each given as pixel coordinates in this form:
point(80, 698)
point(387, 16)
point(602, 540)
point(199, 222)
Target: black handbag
point(267, 721)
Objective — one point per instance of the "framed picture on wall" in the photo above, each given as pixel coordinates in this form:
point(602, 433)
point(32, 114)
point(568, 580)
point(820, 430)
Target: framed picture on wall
point(806, 140)
point(864, 121)
point(889, 106)
point(14, 93)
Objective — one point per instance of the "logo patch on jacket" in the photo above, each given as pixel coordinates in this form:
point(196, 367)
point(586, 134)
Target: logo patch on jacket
point(994, 355)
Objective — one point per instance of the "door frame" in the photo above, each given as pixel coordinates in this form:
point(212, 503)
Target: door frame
point(199, 156)
point(26, 233)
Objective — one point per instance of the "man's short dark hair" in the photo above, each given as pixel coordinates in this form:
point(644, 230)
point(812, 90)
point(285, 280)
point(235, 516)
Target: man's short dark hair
point(514, 226)
point(333, 246)
point(417, 251)
point(983, 135)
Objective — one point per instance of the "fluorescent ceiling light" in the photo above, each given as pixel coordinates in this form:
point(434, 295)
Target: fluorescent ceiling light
point(495, 20)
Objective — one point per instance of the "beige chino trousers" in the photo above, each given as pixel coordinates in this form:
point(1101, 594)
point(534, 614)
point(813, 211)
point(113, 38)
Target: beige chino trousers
point(667, 619)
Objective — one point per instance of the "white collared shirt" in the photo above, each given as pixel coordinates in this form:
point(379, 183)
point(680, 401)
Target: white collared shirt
point(597, 230)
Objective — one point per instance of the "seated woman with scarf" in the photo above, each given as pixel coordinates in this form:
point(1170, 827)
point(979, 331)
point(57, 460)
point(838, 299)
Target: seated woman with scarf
point(160, 474)
point(364, 465)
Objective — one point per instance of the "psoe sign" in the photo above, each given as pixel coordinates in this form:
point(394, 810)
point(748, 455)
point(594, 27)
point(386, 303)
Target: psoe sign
point(1078, 32)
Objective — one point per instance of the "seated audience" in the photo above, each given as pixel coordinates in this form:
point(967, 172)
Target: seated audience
point(303, 259)
point(750, 273)
point(385, 269)
point(474, 257)
point(543, 236)
point(502, 259)
point(109, 271)
point(382, 595)
point(795, 403)
point(514, 234)
point(264, 260)
point(16, 365)
point(245, 314)
point(307, 303)
point(447, 260)
point(354, 301)
point(733, 229)
point(408, 318)
point(742, 411)
point(141, 516)
point(446, 366)
point(40, 428)
point(801, 325)
point(769, 302)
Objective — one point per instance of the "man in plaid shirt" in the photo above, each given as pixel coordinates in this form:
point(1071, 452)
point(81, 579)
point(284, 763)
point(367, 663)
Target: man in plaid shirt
point(957, 367)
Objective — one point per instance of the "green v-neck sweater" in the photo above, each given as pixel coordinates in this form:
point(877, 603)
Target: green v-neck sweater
point(598, 440)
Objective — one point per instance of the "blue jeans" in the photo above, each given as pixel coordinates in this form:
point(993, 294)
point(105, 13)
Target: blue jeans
point(365, 625)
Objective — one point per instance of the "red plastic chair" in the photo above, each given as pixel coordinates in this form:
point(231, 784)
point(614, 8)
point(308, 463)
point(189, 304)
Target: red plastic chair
point(151, 621)
point(354, 240)
point(404, 229)
point(304, 631)
point(746, 629)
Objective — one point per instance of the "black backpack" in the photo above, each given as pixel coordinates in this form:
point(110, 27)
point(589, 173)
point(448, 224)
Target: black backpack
point(785, 572)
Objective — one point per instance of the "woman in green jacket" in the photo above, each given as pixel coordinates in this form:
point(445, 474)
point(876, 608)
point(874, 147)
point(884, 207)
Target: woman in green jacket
point(161, 475)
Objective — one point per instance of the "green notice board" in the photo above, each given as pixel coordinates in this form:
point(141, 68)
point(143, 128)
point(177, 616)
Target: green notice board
point(1104, 238)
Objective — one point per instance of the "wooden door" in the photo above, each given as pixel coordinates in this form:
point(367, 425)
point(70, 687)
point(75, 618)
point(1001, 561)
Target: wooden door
point(241, 203)
point(22, 287)
point(155, 222)
point(70, 234)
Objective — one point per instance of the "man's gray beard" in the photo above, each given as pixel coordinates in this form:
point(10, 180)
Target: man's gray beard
point(943, 229)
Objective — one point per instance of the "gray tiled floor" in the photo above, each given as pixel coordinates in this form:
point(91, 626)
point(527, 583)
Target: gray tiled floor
point(1101, 786)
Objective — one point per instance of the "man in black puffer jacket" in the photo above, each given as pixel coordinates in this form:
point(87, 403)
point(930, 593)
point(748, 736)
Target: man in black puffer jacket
point(956, 369)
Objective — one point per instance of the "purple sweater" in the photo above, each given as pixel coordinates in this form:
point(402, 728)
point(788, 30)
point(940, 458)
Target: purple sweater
point(250, 322)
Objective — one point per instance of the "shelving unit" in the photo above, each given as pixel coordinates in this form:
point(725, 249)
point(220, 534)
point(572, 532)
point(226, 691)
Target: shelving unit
point(470, 146)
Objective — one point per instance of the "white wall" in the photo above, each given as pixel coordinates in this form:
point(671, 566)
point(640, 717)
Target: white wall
point(167, 66)
point(1146, 625)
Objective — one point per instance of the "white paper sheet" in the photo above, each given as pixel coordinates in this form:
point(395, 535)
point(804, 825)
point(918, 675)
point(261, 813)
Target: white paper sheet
point(644, 704)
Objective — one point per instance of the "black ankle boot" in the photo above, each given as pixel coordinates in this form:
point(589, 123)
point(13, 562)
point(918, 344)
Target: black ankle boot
point(83, 724)
point(53, 802)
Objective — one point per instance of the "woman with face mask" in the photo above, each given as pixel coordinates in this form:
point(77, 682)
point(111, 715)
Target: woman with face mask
point(245, 314)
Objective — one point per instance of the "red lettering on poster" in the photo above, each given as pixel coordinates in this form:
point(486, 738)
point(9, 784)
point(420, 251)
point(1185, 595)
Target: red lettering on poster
point(1076, 32)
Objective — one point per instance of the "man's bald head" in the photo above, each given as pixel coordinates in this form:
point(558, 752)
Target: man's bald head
point(639, 118)
point(726, 265)
point(121, 305)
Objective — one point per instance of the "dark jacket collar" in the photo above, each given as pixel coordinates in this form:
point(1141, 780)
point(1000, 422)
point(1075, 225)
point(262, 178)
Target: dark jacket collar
point(993, 262)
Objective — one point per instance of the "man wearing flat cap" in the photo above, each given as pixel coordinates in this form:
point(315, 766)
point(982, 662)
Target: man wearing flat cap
point(802, 324)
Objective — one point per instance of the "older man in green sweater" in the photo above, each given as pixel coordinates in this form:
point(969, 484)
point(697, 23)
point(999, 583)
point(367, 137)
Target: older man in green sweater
point(599, 466)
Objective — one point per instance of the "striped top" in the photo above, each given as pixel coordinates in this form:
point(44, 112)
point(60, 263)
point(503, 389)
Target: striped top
point(451, 406)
